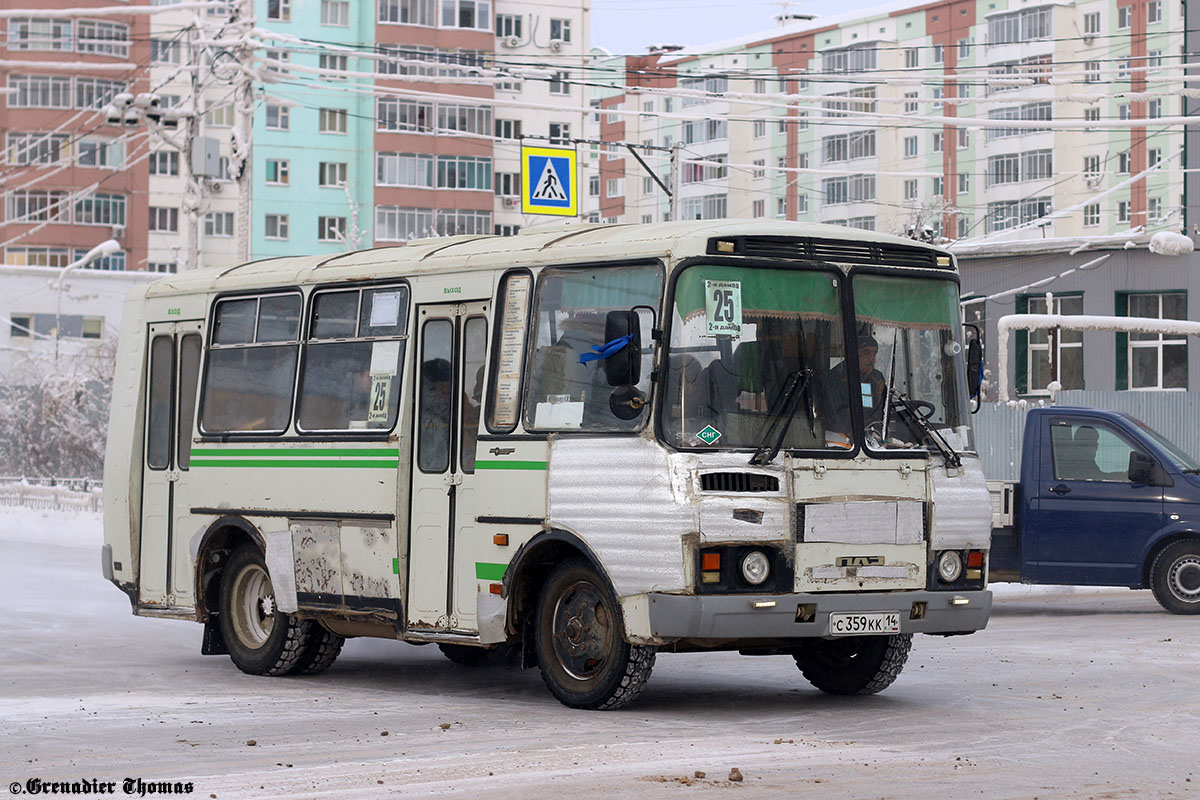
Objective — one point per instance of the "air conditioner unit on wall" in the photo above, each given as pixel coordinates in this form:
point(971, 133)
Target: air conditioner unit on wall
point(511, 202)
point(556, 45)
point(511, 41)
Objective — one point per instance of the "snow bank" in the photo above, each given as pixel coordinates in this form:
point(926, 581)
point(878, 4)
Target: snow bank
point(1169, 243)
point(67, 528)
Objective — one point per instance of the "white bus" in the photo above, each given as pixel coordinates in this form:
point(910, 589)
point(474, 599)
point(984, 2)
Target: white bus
point(583, 446)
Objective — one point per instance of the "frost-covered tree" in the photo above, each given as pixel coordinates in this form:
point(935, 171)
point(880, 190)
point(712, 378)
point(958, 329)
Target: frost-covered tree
point(54, 416)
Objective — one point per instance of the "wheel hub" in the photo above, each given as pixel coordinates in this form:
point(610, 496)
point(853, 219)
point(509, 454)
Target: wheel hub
point(1184, 579)
point(253, 606)
point(582, 631)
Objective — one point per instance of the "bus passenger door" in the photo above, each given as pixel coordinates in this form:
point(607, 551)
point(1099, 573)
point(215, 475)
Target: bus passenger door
point(165, 575)
point(451, 348)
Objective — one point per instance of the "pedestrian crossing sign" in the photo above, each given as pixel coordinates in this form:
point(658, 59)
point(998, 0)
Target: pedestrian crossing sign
point(548, 184)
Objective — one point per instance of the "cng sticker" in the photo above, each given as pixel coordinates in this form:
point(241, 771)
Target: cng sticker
point(548, 184)
point(722, 308)
point(709, 435)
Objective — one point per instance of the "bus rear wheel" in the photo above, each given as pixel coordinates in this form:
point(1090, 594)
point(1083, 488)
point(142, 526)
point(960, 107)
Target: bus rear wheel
point(261, 639)
point(581, 649)
point(853, 664)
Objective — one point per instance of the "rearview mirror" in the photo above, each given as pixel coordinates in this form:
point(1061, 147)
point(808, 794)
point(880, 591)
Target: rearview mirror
point(1145, 470)
point(623, 367)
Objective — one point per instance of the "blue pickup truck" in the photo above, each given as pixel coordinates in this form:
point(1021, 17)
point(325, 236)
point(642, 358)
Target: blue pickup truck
point(1103, 500)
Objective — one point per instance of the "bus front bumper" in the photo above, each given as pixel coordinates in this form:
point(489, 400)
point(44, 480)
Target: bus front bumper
point(776, 616)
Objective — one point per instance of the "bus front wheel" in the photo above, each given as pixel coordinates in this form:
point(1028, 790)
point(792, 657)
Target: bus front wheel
point(581, 649)
point(853, 664)
point(261, 639)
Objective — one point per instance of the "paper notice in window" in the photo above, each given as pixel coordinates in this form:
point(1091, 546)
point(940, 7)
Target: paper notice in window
point(381, 390)
point(384, 356)
point(385, 310)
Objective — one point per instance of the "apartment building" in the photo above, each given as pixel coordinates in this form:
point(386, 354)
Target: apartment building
point(972, 117)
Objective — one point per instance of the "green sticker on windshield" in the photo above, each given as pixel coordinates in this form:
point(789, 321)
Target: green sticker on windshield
point(709, 435)
point(723, 308)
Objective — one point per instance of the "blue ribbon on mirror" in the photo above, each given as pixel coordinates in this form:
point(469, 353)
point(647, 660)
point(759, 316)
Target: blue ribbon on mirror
point(607, 349)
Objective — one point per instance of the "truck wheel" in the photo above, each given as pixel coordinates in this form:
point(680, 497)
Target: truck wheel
point(580, 643)
point(321, 650)
point(1175, 577)
point(853, 664)
point(471, 656)
point(261, 639)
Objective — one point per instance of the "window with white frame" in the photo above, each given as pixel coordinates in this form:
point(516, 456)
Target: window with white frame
point(100, 208)
point(1154, 11)
point(397, 224)
point(96, 92)
point(331, 229)
point(94, 152)
point(506, 230)
point(1124, 162)
point(164, 51)
point(780, 207)
point(760, 168)
point(336, 63)
point(758, 209)
point(507, 184)
point(559, 82)
point(939, 54)
point(332, 120)
point(508, 25)
point(219, 115)
point(1154, 209)
point(1091, 23)
point(614, 188)
point(937, 142)
point(938, 187)
point(408, 12)
point(1153, 156)
point(164, 220)
point(404, 169)
point(593, 186)
point(37, 257)
point(1091, 72)
point(331, 173)
point(1156, 360)
point(911, 104)
point(407, 116)
point(1124, 17)
point(275, 226)
point(278, 171)
point(219, 224)
point(456, 222)
point(37, 148)
point(508, 129)
point(560, 29)
point(162, 266)
point(912, 57)
point(39, 91)
point(910, 147)
point(113, 262)
point(463, 118)
point(802, 203)
point(279, 10)
point(335, 13)
point(39, 34)
point(464, 172)
point(964, 182)
point(467, 14)
point(560, 133)
point(1154, 108)
point(760, 128)
point(278, 117)
point(1055, 354)
point(1123, 211)
point(37, 205)
point(910, 189)
point(1028, 25)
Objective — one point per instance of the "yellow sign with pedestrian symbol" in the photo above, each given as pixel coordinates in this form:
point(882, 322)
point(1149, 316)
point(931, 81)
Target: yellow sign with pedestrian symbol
point(548, 181)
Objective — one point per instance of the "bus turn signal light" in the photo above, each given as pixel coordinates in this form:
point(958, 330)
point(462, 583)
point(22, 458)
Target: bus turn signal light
point(500, 539)
point(975, 558)
point(710, 561)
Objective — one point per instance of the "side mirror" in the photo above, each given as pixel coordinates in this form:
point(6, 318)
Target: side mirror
point(974, 367)
point(623, 367)
point(1145, 470)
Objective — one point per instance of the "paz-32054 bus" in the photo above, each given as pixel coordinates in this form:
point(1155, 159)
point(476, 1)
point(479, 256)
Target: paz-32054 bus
point(590, 445)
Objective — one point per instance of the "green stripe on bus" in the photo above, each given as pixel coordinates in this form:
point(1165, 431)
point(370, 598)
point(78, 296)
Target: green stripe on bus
point(489, 572)
point(289, 452)
point(310, 463)
point(510, 465)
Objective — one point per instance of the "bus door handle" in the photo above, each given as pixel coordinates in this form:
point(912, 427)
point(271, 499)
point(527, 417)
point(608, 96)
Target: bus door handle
point(1061, 489)
point(451, 479)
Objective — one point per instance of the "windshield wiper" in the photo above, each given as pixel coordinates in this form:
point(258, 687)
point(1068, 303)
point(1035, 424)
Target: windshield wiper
point(913, 417)
point(797, 383)
point(1193, 471)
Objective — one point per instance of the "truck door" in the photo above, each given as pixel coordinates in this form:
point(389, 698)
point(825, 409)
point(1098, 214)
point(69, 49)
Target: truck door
point(451, 347)
point(165, 576)
point(1092, 522)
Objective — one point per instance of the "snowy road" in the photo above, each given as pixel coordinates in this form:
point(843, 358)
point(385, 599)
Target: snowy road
point(1068, 693)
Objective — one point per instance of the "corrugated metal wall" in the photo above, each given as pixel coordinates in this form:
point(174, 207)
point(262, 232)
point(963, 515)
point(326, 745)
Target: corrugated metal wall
point(999, 428)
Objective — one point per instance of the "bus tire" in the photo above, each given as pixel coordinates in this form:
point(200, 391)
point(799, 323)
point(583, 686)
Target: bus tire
point(261, 639)
point(1175, 577)
point(853, 664)
point(579, 637)
point(466, 655)
point(320, 652)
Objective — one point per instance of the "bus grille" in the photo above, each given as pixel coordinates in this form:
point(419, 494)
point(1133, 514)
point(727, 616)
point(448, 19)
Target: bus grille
point(735, 482)
point(842, 252)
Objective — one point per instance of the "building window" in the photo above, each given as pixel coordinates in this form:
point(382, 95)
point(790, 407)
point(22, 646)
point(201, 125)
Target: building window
point(1154, 11)
point(614, 188)
point(332, 120)
point(1091, 24)
point(101, 209)
point(394, 224)
point(164, 51)
point(39, 91)
point(464, 172)
point(1154, 108)
point(401, 169)
point(560, 30)
point(331, 229)
point(1020, 26)
point(560, 133)
point(409, 116)
point(278, 117)
point(279, 10)
point(102, 38)
point(1124, 161)
point(1055, 354)
point(593, 186)
point(164, 220)
point(802, 204)
point(780, 207)
point(1153, 156)
point(508, 129)
point(910, 189)
point(1124, 17)
point(221, 116)
point(910, 146)
point(1091, 72)
point(508, 25)
point(506, 230)
point(508, 184)
point(162, 266)
point(35, 33)
point(559, 84)
point(276, 226)
point(331, 173)
point(408, 12)
point(467, 14)
point(36, 148)
point(964, 182)
point(1154, 209)
point(335, 13)
point(338, 64)
point(939, 54)
point(759, 209)
point(937, 143)
point(1155, 360)
point(1123, 211)
point(218, 224)
point(910, 103)
point(164, 162)
point(277, 171)
point(37, 256)
point(455, 117)
point(1091, 115)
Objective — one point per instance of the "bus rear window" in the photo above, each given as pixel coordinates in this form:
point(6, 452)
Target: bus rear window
point(353, 354)
point(251, 365)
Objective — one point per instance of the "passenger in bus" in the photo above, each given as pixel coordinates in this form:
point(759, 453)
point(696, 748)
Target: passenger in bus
point(433, 432)
point(868, 382)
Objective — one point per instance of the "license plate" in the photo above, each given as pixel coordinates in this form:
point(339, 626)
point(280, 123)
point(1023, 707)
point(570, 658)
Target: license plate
point(876, 623)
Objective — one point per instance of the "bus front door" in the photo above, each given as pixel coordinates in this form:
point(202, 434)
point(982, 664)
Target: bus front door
point(451, 350)
point(165, 576)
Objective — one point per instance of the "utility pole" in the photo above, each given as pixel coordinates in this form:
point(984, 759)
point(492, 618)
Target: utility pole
point(193, 193)
point(243, 133)
point(676, 181)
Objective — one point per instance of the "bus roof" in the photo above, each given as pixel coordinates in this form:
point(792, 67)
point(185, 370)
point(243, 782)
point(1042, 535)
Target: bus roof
point(571, 243)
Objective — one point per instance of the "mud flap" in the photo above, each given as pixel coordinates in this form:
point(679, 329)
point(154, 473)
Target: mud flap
point(213, 643)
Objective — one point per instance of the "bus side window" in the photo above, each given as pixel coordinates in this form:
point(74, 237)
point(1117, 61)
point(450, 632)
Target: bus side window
point(508, 351)
point(189, 375)
point(474, 350)
point(158, 426)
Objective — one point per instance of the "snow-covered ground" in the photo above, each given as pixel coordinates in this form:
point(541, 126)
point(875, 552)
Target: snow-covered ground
point(1069, 693)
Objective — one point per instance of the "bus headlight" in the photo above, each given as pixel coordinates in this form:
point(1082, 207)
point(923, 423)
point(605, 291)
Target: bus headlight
point(949, 566)
point(755, 567)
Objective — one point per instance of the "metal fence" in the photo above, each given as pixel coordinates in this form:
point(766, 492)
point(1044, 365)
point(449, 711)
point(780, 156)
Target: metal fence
point(999, 428)
point(52, 494)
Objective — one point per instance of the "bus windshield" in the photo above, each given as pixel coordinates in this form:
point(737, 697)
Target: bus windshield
point(753, 346)
point(909, 362)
